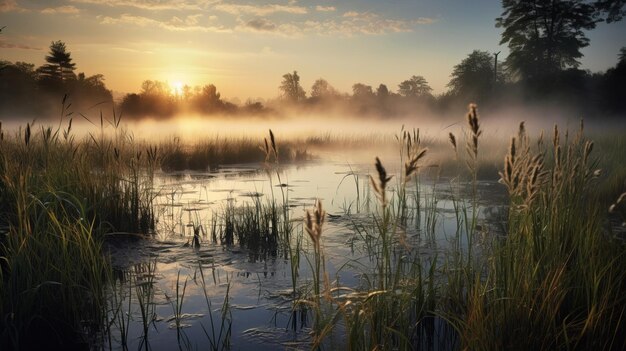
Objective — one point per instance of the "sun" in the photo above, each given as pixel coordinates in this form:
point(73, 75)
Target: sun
point(177, 87)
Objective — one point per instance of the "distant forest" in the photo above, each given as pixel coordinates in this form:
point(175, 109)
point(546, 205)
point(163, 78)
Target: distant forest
point(544, 41)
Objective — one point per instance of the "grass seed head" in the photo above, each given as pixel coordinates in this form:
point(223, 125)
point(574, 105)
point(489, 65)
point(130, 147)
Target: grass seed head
point(381, 185)
point(452, 140)
point(314, 223)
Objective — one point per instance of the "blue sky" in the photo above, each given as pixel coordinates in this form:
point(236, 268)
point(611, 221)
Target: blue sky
point(244, 47)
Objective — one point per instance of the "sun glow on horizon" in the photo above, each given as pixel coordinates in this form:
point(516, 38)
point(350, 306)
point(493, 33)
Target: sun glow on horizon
point(177, 87)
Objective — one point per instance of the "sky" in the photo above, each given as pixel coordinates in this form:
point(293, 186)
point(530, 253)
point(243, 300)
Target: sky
point(245, 46)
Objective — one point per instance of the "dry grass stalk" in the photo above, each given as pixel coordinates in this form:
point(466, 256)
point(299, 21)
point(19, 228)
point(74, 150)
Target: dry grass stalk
point(452, 139)
point(380, 185)
point(414, 153)
point(475, 132)
point(270, 148)
point(314, 223)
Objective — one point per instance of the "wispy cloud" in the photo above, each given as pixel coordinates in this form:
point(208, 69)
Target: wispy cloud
point(8, 45)
point(260, 10)
point(135, 51)
point(156, 5)
point(349, 24)
point(261, 24)
point(253, 19)
point(71, 10)
point(10, 6)
point(190, 23)
point(325, 8)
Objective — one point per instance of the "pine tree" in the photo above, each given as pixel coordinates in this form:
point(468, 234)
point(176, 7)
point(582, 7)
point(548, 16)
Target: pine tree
point(59, 66)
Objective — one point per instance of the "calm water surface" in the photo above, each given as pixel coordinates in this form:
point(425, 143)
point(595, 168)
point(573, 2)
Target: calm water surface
point(259, 287)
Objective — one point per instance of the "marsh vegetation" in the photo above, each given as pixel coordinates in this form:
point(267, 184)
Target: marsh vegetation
point(114, 243)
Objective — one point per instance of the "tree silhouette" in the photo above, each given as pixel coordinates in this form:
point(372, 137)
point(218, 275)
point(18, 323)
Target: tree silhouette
point(473, 78)
point(209, 99)
point(322, 89)
point(614, 9)
point(59, 66)
point(361, 91)
point(613, 90)
point(416, 86)
point(545, 37)
point(382, 92)
point(291, 88)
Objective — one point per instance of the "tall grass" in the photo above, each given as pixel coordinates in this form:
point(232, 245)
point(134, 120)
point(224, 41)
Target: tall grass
point(59, 197)
point(209, 153)
point(556, 280)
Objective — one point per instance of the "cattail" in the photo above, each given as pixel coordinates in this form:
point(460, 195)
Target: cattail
point(381, 185)
point(314, 223)
point(512, 150)
point(452, 141)
point(274, 145)
point(555, 138)
point(27, 134)
point(475, 132)
point(521, 133)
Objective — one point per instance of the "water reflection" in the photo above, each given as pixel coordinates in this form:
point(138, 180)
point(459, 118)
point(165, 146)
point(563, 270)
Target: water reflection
point(231, 290)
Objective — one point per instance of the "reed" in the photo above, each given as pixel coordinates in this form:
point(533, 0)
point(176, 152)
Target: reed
point(556, 279)
point(59, 198)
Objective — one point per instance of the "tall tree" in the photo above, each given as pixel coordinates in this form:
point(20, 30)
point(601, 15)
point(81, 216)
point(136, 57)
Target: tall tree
point(545, 37)
point(473, 78)
point(322, 89)
point(614, 9)
point(210, 99)
point(291, 88)
point(362, 91)
point(416, 86)
point(59, 66)
point(382, 92)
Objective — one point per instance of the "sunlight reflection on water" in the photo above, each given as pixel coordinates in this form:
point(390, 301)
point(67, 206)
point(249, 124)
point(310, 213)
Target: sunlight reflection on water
point(260, 287)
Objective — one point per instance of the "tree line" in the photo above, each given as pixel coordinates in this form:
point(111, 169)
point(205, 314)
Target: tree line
point(29, 91)
point(544, 38)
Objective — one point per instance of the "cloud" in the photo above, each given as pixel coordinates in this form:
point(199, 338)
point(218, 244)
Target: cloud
point(125, 49)
point(347, 24)
point(261, 24)
point(260, 10)
point(350, 24)
point(189, 23)
point(155, 5)
point(62, 9)
point(370, 23)
point(7, 45)
point(325, 8)
point(10, 6)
